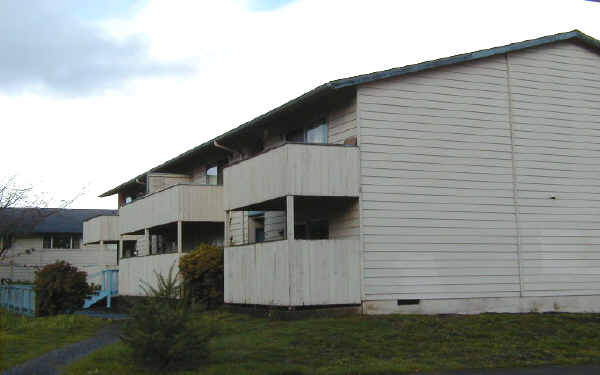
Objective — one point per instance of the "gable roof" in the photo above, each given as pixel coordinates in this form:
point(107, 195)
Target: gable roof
point(333, 87)
point(48, 220)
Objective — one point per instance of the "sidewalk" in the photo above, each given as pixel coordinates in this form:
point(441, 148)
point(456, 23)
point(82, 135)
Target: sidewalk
point(52, 362)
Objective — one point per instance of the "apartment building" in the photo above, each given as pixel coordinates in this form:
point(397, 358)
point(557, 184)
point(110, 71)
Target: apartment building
point(461, 185)
point(40, 236)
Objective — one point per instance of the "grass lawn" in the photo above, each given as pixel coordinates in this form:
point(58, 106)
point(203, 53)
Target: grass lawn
point(23, 338)
point(379, 345)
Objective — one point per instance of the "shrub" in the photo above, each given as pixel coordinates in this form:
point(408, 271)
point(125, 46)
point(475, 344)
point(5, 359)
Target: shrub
point(202, 272)
point(60, 288)
point(162, 332)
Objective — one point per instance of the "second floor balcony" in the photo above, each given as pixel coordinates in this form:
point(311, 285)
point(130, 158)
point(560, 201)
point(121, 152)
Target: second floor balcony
point(103, 228)
point(181, 202)
point(293, 169)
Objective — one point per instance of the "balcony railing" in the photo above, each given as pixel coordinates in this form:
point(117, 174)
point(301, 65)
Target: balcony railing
point(101, 228)
point(183, 202)
point(293, 169)
point(294, 273)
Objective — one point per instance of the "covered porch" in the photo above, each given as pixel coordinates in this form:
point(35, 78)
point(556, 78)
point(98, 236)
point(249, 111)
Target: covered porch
point(309, 254)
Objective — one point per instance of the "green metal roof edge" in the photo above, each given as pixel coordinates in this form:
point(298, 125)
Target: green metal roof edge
point(395, 72)
point(375, 76)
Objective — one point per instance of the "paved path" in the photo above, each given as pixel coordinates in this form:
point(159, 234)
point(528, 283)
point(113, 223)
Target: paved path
point(51, 362)
point(555, 370)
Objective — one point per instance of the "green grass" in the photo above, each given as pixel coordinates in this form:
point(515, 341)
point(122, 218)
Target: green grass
point(379, 345)
point(23, 338)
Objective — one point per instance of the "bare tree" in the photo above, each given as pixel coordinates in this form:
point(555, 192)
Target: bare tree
point(13, 195)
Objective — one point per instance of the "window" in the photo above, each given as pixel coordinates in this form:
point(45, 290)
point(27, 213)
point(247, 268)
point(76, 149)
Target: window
point(212, 176)
point(61, 241)
point(312, 134)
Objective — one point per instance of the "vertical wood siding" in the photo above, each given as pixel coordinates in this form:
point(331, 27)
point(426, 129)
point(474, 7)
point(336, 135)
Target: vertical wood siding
point(293, 273)
point(436, 178)
point(135, 272)
point(556, 122)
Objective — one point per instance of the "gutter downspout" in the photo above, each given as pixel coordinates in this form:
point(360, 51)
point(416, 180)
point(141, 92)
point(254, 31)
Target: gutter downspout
point(218, 145)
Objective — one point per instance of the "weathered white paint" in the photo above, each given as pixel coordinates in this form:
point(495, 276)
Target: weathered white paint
point(478, 305)
point(101, 228)
point(341, 123)
point(135, 272)
point(160, 181)
point(556, 120)
point(293, 273)
point(184, 202)
point(436, 178)
point(458, 169)
point(21, 262)
point(293, 169)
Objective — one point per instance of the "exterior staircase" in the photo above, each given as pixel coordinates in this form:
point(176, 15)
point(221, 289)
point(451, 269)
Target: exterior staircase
point(110, 288)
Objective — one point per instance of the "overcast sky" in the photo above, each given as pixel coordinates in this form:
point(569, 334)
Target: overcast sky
point(93, 93)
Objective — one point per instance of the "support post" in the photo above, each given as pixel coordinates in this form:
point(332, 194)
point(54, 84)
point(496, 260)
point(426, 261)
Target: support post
point(226, 229)
point(290, 217)
point(147, 241)
point(102, 245)
point(179, 237)
point(121, 250)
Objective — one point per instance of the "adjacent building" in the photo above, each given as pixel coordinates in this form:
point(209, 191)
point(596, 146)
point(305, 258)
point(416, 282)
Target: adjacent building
point(36, 237)
point(465, 184)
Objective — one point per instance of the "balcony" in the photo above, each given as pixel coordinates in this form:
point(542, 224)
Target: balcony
point(176, 203)
point(101, 229)
point(293, 169)
point(294, 273)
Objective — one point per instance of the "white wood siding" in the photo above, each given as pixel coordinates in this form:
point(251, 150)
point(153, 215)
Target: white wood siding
point(159, 181)
point(274, 225)
point(341, 123)
point(134, 272)
point(293, 273)
point(101, 228)
point(238, 229)
point(436, 179)
point(179, 202)
point(443, 215)
point(292, 169)
point(556, 120)
point(21, 263)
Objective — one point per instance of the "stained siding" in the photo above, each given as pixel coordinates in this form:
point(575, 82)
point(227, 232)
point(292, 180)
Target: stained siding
point(556, 118)
point(436, 178)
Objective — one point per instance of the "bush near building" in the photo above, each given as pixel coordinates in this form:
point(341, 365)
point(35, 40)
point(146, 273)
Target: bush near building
point(202, 273)
point(60, 288)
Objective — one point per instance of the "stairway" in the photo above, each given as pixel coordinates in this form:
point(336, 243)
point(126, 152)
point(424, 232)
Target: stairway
point(110, 287)
point(95, 297)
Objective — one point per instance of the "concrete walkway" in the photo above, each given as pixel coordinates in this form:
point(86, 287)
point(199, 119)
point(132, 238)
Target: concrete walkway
point(52, 362)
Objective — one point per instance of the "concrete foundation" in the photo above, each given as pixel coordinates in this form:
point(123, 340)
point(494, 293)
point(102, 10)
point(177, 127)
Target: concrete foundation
point(572, 304)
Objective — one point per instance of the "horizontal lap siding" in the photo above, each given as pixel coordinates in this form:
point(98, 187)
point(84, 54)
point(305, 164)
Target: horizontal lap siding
point(342, 123)
point(436, 177)
point(556, 120)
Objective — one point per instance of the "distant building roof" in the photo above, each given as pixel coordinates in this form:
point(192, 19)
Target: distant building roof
point(48, 220)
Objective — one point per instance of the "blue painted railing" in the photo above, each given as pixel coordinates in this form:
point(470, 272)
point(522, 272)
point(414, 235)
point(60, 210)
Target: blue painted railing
point(109, 288)
point(18, 298)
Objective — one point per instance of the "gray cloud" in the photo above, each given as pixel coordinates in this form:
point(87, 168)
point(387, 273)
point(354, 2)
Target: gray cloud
point(44, 45)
